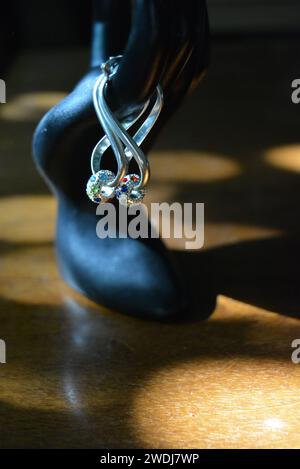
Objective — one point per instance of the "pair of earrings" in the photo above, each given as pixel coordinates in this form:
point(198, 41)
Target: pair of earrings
point(104, 185)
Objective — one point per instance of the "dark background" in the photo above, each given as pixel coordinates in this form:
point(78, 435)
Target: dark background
point(80, 376)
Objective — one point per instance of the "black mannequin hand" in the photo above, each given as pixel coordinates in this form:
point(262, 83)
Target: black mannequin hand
point(166, 42)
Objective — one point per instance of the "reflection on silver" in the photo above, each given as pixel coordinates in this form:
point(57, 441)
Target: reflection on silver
point(274, 423)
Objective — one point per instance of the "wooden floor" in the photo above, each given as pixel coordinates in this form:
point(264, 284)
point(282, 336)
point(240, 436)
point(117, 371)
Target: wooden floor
point(78, 375)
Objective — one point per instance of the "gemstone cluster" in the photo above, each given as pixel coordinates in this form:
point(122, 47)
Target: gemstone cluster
point(126, 192)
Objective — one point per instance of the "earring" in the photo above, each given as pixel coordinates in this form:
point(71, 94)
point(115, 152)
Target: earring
point(103, 185)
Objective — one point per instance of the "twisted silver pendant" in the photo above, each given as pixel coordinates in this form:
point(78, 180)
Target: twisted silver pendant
point(103, 185)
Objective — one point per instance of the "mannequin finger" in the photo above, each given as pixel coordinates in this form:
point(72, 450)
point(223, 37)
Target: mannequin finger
point(111, 26)
point(202, 50)
point(180, 84)
point(196, 64)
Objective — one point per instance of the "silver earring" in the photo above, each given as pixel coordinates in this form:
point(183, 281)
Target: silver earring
point(103, 185)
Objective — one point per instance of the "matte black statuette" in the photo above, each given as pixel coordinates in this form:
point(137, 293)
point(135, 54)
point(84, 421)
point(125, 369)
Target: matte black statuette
point(162, 41)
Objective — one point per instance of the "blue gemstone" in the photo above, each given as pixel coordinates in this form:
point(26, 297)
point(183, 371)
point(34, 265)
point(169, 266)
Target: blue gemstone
point(93, 178)
point(124, 189)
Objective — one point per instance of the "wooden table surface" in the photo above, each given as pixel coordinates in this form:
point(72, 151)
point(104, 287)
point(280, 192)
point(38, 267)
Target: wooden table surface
point(78, 375)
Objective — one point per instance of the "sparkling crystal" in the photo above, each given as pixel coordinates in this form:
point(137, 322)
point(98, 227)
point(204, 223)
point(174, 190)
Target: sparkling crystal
point(97, 189)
